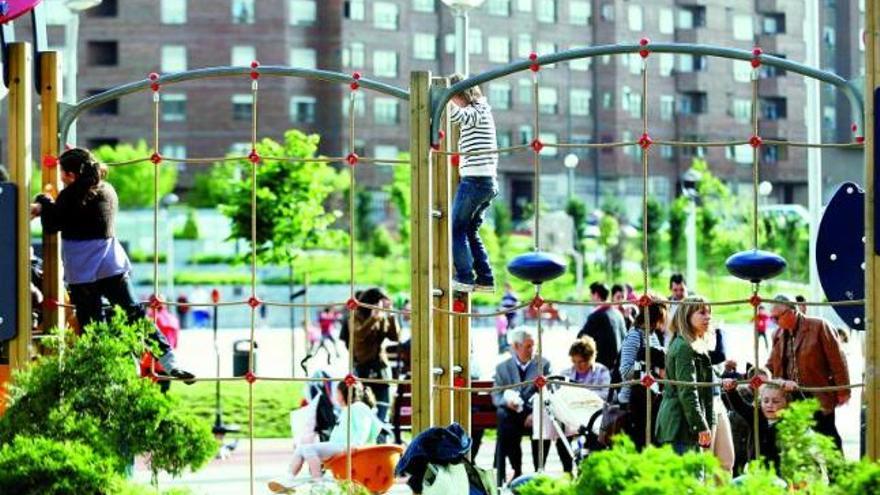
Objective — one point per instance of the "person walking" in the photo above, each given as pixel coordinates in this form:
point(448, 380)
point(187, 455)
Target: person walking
point(605, 325)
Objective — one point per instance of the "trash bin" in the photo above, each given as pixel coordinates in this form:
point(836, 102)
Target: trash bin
point(241, 354)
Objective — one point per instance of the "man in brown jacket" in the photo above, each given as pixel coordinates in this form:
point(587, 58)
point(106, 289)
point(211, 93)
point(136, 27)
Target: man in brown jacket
point(807, 352)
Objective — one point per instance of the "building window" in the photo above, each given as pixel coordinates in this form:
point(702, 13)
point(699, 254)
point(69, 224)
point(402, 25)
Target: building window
point(579, 13)
point(667, 64)
point(242, 11)
point(385, 15)
point(305, 58)
point(107, 8)
point(239, 149)
point(384, 152)
point(500, 95)
point(740, 154)
point(828, 36)
point(102, 53)
point(504, 139)
point(544, 48)
point(475, 41)
point(173, 58)
point(607, 100)
point(774, 24)
point(354, 10)
point(353, 55)
point(498, 7)
point(548, 100)
point(385, 110)
point(580, 64)
point(524, 5)
point(741, 110)
point(303, 12)
point(525, 91)
point(580, 101)
point(743, 29)
point(667, 107)
point(243, 55)
point(524, 45)
point(107, 108)
point(546, 11)
point(631, 102)
point(691, 17)
point(829, 116)
point(499, 49)
point(773, 154)
point(667, 152)
point(742, 71)
point(423, 5)
point(634, 61)
point(424, 46)
point(95, 143)
point(692, 103)
point(385, 63)
point(549, 138)
point(173, 107)
point(773, 108)
point(526, 135)
point(174, 150)
point(608, 12)
point(302, 109)
point(691, 63)
point(172, 11)
point(634, 18)
point(667, 21)
point(242, 107)
point(360, 104)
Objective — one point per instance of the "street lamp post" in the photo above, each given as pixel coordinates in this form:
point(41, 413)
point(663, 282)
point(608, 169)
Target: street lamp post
point(460, 8)
point(167, 202)
point(71, 42)
point(690, 181)
point(571, 162)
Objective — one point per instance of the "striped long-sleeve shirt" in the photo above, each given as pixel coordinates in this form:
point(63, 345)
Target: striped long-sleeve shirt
point(629, 352)
point(477, 134)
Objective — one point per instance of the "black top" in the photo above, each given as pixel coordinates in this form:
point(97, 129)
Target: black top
point(608, 329)
point(78, 220)
point(766, 431)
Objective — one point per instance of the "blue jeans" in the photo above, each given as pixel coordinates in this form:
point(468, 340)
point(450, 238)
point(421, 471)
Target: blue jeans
point(473, 197)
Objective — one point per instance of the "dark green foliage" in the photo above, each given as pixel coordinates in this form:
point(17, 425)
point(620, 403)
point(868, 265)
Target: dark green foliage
point(134, 182)
point(87, 391)
point(502, 220)
point(190, 230)
point(677, 224)
point(381, 244)
point(577, 210)
point(656, 217)
point(363, 207)
point(807, 457)
point(399, 192)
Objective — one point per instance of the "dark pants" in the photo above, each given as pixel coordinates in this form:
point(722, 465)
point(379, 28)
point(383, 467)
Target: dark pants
point(637, 420)
point(826, 426)
point(511, 429)
point(119, 292)
point(473, 197)
point(564, 456)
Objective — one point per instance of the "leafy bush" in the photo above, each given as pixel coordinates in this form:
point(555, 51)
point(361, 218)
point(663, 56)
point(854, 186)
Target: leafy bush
point(381, 243)
point(190, 230)
point(211, 259)
point(87, 392)
point(142, 257)
point(129, 180)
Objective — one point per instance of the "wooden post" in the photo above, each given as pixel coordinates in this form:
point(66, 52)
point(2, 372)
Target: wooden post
point(442, 265)
point(421, 252)
point(50, 90)
point(19, 160)
point(872, 275)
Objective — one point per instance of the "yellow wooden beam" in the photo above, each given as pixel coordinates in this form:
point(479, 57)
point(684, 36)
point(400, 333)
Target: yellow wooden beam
point(872, 275)
point(50, 92)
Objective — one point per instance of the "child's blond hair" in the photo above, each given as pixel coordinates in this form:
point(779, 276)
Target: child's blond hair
point(471, 94)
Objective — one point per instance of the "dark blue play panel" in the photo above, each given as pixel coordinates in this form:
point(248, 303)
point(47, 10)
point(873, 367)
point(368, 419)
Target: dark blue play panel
point(840, 252)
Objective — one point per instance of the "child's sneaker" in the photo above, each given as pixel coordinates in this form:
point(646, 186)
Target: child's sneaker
point(487, 288)
point(283, 485)
point(462, 287)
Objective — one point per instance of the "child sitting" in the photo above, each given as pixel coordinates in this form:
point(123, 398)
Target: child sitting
point(476, 191)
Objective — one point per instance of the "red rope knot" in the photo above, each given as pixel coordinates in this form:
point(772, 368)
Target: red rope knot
point(351, 304)
point(215, 296)
point(254, 302)
point(456, 160)
point(355, 84)
point(756, 382)
point(540, 382)
point(756, 57)
point(50, 304)
point(534, 67)
point(458, 382)
point(756, 141)
point(253, 156)
point(250, 377)
point(644, 301)
point(537, 303)
point(440, 136)
point(352, 158)
point(645, 141)
point(156, 158)
point(50, 161)
point(644, 52)
point(155, 302)
point(255, 74)
point(537, 145)
point(154, 81)
point(755, 300)
point(855, 129)
point(648, 380)
point(860, 139)
point(350, 380)
point(458, 306)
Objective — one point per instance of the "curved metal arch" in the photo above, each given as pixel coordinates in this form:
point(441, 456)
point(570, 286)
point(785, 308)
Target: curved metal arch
point(69, 113)
point(440, 97)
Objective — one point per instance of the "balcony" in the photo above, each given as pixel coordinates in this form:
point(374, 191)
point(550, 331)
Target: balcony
point(770, 43)
point(763, 6)
point(691, 81)
point(772, 86)
point(774, 129)
point(692, 35)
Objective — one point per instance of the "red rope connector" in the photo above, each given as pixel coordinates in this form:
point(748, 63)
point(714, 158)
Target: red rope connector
point(215, 296)
point(537, 303)
point(537, 145)
point(50, 304)
point(456, 160)
point(50, 161)
point(156, 158)
point(458, 306)
point(254, 302)
point(756, 57)
point(154, 78)
point(355, 85)
point(540, 381)
point(458, 382)
point(645, 141)
point(534, 67)
point(644, 52)
point(250, 377)
point(351, 304)
point(644, 301)
point(352, 158)
point(756, 141)
point(756, 382)
point(155, 302)
point(860, 139)
point(253, 156)
point(755, 300)
point(648, 381)
point(350, 380)
point(255, 74)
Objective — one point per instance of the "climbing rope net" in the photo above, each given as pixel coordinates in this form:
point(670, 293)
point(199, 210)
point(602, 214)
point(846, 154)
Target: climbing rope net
point(460, 309)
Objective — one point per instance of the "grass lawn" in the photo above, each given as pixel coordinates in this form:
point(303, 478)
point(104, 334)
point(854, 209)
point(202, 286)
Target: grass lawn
point(273, 402)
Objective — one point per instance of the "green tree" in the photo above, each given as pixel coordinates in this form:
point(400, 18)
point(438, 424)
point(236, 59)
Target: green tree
point(134, 182)
point(363, 207)
point(677, 223)
point(502, 221)
point(190, 229)
point(614, 252)
point(292, 200)
point(609, 239)
point(399, 192)
point(577, 210)
point(656, 217)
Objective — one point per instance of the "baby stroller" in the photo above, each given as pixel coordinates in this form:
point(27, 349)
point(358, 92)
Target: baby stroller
point(313, 421)
point(572, 413)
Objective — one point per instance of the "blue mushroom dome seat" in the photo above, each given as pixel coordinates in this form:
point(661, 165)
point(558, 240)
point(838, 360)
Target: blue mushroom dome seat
point(755, 265)
point(537, 267)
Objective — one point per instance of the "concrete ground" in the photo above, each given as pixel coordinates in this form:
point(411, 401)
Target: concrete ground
point(277, 351)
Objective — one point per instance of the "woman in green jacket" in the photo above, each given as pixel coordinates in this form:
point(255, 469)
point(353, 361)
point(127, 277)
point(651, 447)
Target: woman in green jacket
point(686, 417)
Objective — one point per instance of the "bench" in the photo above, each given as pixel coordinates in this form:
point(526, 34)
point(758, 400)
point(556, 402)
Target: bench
point(483, 415)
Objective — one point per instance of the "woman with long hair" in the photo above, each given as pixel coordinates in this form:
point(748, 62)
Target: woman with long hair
point(372, 327)
point(686, 413)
